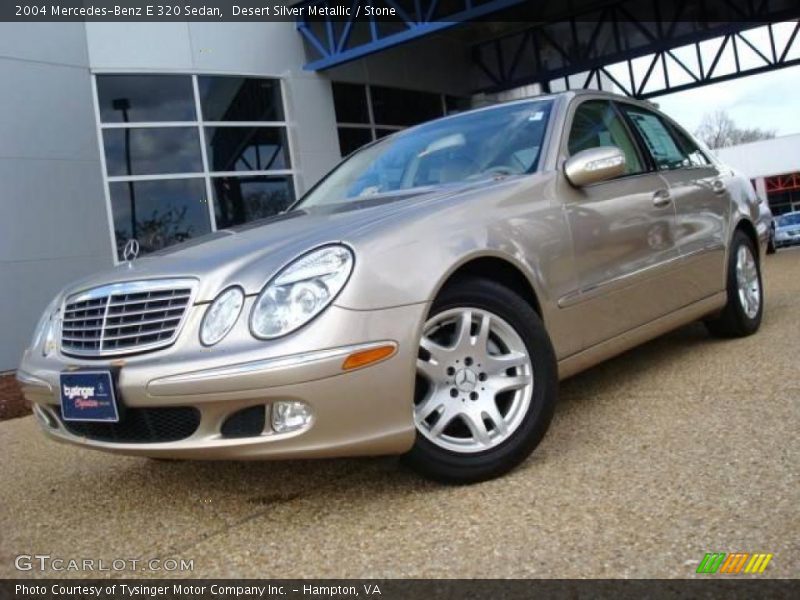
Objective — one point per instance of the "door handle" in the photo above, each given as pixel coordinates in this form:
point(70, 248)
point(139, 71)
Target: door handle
point(662, 199)
point(718, 186)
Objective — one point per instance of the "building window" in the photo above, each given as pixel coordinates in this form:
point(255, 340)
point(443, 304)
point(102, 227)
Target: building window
point(369, 112)
point(188, 154)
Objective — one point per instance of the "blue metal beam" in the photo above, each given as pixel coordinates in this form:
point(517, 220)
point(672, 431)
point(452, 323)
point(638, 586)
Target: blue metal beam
point(332, 50)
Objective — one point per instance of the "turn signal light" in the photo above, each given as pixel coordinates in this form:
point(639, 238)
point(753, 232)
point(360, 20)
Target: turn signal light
point(368, 357)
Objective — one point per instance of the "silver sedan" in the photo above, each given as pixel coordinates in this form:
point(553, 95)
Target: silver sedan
point(424, 299)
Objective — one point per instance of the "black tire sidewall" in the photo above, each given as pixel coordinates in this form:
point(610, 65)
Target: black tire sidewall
point(448, 466)
point(746, 324)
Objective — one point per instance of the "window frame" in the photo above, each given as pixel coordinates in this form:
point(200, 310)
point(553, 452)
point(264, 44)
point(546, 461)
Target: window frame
point(644, 156)
point(206, 174)
point(372, 125)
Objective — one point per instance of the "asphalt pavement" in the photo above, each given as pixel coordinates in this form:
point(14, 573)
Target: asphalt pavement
point(684, 446)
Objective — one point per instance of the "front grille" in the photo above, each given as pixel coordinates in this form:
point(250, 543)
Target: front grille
point(124, 318)
point(141, 426)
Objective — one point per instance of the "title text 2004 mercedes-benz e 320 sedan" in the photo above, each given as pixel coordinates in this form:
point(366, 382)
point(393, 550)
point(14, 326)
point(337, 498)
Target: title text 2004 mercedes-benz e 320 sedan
point(424, 299)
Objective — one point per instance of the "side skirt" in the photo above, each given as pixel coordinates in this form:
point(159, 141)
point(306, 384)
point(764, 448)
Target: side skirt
point(574, 364)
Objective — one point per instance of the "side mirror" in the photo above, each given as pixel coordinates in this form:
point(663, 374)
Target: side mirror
point(594, 165)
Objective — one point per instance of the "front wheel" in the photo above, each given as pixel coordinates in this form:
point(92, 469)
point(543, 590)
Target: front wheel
point(742, 314)
point(486, 384)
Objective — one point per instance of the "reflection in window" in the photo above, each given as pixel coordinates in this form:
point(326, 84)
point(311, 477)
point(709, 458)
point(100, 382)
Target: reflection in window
point(350, 103)
point(241, 199)
point(247, 148)
point(385, 110)
point(162, 174)
point(138, 98)
point(392, 106)
point(352, 138)
point(152, 150)
point(158, 213)
point(240, 99)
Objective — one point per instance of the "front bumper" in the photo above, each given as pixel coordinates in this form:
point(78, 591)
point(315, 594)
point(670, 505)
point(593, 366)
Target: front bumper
point(366, 411)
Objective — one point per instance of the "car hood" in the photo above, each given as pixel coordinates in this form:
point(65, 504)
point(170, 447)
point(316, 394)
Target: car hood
point(250, 255)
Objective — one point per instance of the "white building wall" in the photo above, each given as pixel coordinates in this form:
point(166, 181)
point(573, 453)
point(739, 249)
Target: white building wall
point(53, 226)
point(765, 158)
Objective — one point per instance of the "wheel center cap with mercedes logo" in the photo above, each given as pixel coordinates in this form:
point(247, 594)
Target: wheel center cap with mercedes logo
point(466, 380)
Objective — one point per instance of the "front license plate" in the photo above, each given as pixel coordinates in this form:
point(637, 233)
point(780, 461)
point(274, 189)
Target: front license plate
point(88, 396)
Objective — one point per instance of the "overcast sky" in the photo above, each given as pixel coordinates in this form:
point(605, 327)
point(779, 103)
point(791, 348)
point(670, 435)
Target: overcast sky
point(768, 101)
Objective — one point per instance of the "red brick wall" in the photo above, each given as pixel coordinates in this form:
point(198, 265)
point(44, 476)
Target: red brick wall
point(12, 404)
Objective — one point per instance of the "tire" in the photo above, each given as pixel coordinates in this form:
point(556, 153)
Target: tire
point(516, 335)
point(737, 319)
point(771, 249)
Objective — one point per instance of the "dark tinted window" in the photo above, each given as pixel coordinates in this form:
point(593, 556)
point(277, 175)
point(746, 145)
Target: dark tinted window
point(456, 104)
point(381, 133)
point(352, 138)
point(247, 148)
point(392, 106)
point(350, 101)
point(596, 124)
point(240, 99)
point(152, 150)
point(137, 98)
point(241, 199)
point(663, 147)
point(166, 212)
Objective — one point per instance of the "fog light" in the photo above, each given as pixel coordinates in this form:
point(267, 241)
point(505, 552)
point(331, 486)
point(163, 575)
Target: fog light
point(290, 416)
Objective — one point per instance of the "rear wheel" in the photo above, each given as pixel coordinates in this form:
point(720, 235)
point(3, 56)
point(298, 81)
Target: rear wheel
point(486, 384)
point(742, 314)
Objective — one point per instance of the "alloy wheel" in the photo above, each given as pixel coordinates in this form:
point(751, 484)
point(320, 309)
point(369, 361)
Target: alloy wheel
point(474, 380)
point(747, 281)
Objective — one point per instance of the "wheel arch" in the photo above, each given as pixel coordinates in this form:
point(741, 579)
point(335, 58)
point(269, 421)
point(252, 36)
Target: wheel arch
point(497, 268)
point(749, 229)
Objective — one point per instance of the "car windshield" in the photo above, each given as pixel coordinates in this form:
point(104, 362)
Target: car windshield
point(792, 219)
point(490, 143)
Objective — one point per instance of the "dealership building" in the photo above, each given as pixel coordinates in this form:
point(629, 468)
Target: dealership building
point(165, 131)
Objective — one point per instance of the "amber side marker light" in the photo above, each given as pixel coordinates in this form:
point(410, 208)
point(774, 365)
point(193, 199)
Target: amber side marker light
point(367, 357)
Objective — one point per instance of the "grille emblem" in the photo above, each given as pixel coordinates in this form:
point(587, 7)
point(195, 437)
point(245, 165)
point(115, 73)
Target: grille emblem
point(131, 250)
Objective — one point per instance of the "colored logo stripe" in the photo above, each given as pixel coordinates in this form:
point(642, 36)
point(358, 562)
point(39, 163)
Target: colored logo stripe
point(733, 563)
point(758, 563)
point(711, 562)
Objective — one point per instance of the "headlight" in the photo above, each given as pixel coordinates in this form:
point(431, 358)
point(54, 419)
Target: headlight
point(51, 335)
point(47, 328)
point(221, 316)
point(301, 291)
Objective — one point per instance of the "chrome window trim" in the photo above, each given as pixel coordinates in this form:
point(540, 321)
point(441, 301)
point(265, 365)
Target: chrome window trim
point(128, 287)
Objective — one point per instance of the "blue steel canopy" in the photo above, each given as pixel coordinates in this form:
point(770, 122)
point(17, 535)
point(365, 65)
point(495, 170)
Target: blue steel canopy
point(338, 40)
point(569, 44)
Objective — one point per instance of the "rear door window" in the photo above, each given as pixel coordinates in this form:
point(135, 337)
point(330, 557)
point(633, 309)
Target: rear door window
point(661, 144)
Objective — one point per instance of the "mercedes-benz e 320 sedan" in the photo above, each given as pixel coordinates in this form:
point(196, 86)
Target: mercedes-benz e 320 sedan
point(424, 299)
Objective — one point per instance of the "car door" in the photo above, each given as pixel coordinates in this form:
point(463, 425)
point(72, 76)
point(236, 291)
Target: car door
point(623, 230)
point(701, 200)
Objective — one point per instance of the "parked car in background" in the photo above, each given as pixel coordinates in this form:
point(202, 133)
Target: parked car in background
point(424, 299)
point(787, 229)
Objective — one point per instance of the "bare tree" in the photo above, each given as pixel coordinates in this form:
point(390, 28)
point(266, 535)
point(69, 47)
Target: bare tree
point(718, 130)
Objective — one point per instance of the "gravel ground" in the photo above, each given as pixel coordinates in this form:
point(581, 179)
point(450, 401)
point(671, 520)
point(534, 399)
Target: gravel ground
point(684, 446)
